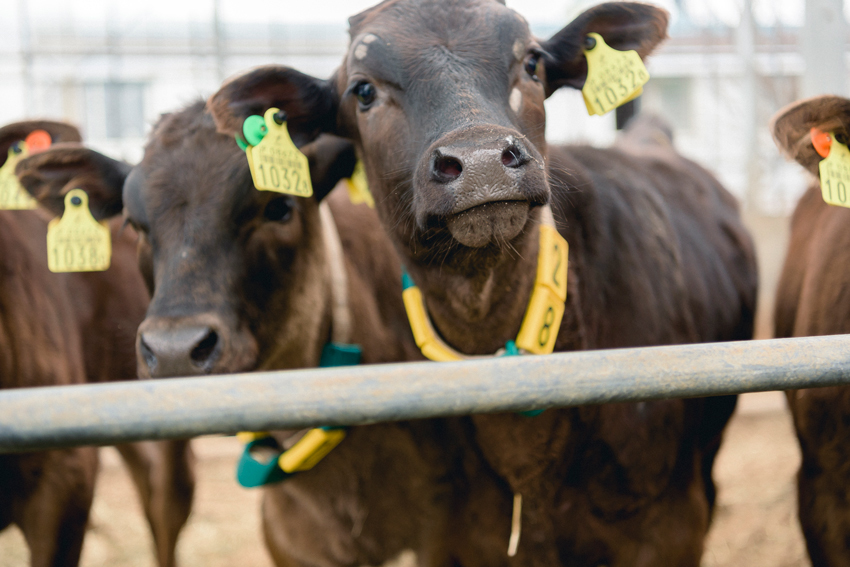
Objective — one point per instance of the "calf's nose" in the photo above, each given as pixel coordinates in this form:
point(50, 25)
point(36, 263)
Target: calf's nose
point(183, 351)
point(449, 162)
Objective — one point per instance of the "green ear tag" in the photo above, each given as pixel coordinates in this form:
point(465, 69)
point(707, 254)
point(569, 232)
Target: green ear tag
point(13, 197)
point(76, 242)
point(835, 174)
point(276, 164)
point(613, 77)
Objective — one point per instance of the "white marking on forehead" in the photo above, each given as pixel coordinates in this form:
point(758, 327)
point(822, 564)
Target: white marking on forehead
point(519, 49)
point(369, 38)
point(361, 50)
point(516, 100)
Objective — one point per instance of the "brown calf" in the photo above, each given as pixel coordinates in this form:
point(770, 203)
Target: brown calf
point(242, 280)
point(444, 103)
point(812, 299)
point(60, 329)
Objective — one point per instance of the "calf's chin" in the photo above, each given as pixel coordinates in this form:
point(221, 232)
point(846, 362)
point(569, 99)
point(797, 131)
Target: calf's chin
point(498, 222)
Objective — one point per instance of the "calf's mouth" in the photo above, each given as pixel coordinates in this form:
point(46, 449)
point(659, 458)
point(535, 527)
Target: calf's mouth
point(496, 221)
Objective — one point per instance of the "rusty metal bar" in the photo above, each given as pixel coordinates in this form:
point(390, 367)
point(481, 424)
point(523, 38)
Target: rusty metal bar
point(106, 414)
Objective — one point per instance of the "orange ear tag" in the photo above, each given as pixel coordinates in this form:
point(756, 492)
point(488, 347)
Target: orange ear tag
point(38, 141)
point(13, 197)
point(821, 141)
point(835, 174)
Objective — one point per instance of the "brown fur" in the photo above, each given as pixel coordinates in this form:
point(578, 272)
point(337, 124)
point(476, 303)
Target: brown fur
point(812, 299)
point(658, 254)
point(387, 488)
point(62, 329)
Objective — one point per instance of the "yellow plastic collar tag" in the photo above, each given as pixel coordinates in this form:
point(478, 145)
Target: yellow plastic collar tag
point(76, 242)
point(276, 164)
point(542, 320)
point(310, 449)
point(835, 175)
point(546, 307)
point(13, 197)
point(358, 187)
point(613, 77)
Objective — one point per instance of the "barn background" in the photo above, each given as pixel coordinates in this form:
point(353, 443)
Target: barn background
point(113, 67)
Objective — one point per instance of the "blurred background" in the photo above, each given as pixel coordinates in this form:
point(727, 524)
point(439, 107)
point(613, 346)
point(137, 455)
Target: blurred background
point(112, 67)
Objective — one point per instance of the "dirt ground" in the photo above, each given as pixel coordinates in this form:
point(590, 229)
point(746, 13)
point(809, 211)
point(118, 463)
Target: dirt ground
point(755, 523)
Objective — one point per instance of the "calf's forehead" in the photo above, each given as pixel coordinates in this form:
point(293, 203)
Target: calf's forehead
point(408, 41)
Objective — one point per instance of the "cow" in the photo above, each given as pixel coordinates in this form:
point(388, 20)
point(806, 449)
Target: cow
point(443, 101)
point(254, 270)
point(74, 328)
point(811, 299)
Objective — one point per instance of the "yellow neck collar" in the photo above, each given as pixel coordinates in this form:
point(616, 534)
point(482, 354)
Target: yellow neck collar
point(543, 316)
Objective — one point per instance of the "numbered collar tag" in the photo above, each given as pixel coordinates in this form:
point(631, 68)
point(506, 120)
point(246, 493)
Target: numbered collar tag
point(276, 164)
point(358, 187)
point(76, 242)
point(613, 77)
point(835, 174)
point(546, 307)
point(13, 197)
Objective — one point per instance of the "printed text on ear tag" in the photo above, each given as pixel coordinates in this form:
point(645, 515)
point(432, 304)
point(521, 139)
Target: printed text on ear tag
point(358, 187)
point(613, 77)
point(276, 164)
point(13, 197)
point(835, 174)
point(76, 242)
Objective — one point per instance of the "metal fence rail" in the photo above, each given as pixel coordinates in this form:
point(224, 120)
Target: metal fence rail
point(105, 414)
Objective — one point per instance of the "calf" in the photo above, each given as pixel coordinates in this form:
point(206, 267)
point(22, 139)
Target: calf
point(444, 103)
point(245, 280)
point(812, 300)
point(60, 329)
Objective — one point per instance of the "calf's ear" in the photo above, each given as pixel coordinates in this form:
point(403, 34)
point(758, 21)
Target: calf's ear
point(310, 103)
point(623, 25)
point(331, 159)
point(791, 126)
point(49, 175)
point(18, 131)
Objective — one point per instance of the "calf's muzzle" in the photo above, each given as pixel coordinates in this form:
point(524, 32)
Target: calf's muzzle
point(483, 181)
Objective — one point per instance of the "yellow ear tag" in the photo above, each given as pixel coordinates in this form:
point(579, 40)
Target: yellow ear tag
point(276, 164)
point(358, 187)
point(835, 175)
point(613, 77)
point(76, 242)
point(13, 197)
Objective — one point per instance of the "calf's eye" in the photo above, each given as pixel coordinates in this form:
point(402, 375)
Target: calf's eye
point(531, 64)
point(365, 93)
point(278, 209)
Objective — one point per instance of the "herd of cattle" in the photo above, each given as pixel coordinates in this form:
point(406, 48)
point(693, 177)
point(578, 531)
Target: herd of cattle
point(442, 102)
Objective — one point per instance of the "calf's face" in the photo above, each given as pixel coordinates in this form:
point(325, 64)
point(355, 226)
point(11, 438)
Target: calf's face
point(237, 275)
point(444, 100)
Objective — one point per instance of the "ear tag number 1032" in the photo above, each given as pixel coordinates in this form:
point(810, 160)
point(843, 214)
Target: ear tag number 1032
point(613, 77)
point(276, 164)
point(77, 242)
point(835, 172)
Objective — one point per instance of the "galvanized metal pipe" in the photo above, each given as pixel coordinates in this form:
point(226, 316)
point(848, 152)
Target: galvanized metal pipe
point(106, 414)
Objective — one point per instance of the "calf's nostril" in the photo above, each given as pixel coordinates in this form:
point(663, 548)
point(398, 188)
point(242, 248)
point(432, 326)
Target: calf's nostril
point(513, 157)
point(446, 168)
point(147, 354)
point(205, 348)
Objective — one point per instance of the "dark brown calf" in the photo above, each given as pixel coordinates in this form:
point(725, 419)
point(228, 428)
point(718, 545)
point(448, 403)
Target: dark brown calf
point(60, 329)
point(812, 299)
point(444, 102)
point(252, 269)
